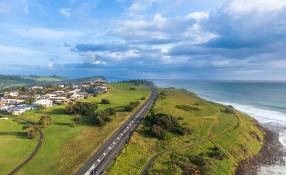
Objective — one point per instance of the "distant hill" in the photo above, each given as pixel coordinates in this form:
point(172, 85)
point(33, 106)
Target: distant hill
point(8, 81)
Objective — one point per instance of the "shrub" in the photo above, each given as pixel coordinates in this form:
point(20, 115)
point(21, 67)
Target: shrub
point(105, 115)
point(132, 89)
point(131, 106)
point(143, 98)
point(164, 122)
point(198, 160)
point(99, 121)
point(157, 132)
point(229, 110)
point(216, 153)
point(187, 107)
point(105, 101)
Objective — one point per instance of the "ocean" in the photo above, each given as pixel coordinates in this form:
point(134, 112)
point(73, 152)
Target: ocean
point(264, 101)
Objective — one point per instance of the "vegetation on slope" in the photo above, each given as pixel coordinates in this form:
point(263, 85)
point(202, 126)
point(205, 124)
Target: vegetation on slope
point(220, 138)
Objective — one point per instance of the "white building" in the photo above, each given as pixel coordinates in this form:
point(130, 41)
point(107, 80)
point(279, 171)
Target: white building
point(37, 87)
point(48, 96)
point(19, 109)
point(76, 97)
point(43, 102)
point(11, 101)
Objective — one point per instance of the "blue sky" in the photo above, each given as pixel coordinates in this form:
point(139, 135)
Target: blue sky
point(184, 39)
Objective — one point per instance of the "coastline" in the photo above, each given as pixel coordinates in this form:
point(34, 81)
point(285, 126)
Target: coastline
point(272, 153)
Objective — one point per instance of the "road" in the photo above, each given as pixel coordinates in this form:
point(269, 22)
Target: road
point(100, 161)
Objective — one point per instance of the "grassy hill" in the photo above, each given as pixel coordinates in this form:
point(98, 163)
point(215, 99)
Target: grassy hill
point(66, 146)
point(220, 138)
point(7, 81)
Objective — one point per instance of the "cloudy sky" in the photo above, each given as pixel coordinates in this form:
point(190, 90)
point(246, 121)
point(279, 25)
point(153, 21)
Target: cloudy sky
point(184, 39)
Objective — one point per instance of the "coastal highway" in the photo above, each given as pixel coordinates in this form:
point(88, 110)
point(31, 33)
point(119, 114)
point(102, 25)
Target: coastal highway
point(99, 162)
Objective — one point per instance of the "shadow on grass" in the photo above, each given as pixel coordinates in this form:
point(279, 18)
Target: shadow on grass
point(55, 111)
point(64, 124)
point(21, 135)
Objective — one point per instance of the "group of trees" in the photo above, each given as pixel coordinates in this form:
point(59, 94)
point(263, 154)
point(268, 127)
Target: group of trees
point(104, 116)
point(82, 108)
point(131, 106)
point(138, 82)
point(100, 117)
point(159, 124)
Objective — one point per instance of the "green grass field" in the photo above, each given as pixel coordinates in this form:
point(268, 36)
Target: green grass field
point(236, 135)
point(65, 147)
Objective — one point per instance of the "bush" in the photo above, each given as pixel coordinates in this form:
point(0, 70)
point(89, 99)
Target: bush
point(105, 101)
point(104, 115)
point(198, 160)
point(165, 123)
point(99, 121)
point(229, 110)
point(216, 153)
point(187, 107)
point(132, 89)
point(131, 106)
point(143, 98)
point(157, 132)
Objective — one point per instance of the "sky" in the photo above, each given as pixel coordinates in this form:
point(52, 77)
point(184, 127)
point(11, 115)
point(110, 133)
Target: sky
point(153, 39)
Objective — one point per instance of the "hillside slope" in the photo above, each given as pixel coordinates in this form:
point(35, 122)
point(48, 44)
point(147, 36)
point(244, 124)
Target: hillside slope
point(219, 138)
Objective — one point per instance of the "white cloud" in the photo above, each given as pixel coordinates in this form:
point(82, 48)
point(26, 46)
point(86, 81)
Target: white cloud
point(141, 5)
point(197, 35)
point(248, 6)
point(46, 33)
point(65, 12)
point(198, 16)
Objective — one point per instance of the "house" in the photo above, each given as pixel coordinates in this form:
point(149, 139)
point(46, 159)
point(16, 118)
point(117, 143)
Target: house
point(11, 101)
point(13, 94)
point(36, 87)
point(59, 92)
point(61, 85)
point(58, 100)
point(98, 89)
point(76, 97)
point(19, 109)
point(48, 96)
point(43, 102)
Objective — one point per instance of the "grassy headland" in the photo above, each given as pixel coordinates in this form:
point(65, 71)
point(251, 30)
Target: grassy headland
point(219, 138)
point(66, 145)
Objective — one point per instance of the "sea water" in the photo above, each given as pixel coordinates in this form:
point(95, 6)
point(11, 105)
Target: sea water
point(264, 101)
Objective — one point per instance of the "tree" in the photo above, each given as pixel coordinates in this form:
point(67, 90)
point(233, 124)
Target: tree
point(31, 131)
point(131, 106)
point(45, 121)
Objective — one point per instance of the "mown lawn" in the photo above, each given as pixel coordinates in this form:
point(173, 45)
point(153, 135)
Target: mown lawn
point(14, 146)
point(234, 135)
point(67, 146)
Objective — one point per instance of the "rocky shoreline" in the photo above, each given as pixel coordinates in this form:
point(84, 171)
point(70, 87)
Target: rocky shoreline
point(272, 153)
